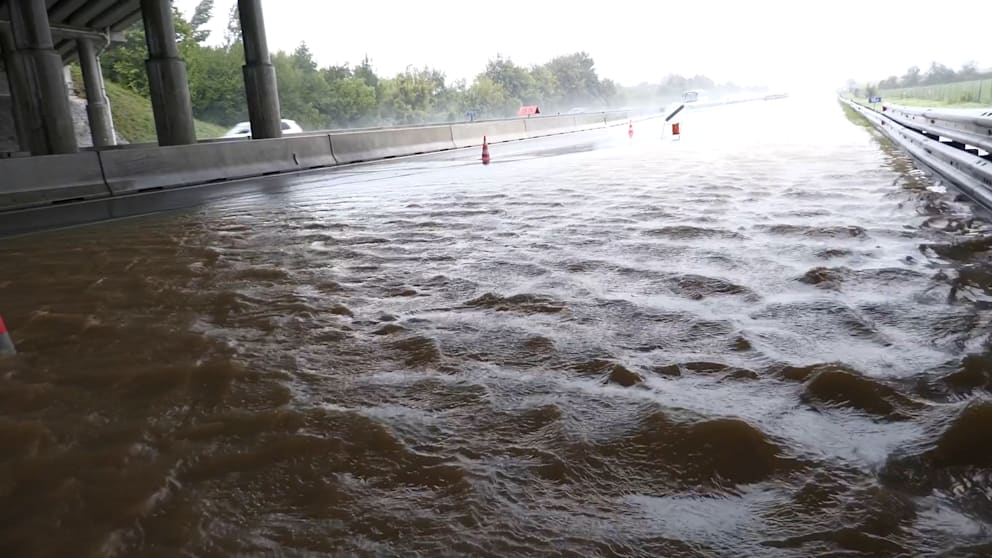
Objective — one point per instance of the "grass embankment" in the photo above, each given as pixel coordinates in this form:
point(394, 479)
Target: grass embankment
point(913, 102)
point(132, 113)
point(964, 94)
point(860, 101)
point(133, 117)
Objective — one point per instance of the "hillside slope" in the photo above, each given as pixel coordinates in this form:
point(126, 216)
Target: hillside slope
point(132, 113)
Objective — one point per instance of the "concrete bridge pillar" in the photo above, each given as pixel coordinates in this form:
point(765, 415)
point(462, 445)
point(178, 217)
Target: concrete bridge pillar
point(260, 75)
point(41, 97)
point(167, 80)
point(97, 104)
point(18, 90)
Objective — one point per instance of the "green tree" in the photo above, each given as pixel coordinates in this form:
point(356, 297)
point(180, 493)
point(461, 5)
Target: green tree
point(939, 73)
point(608, 91)
point(412, 96)
point(124, 64)
point(365, 72)
point(350, 101)
point(300, 90)
point(545, 91)
point(700, 82)
point(303, 59)
point(490, 99)
point(515, 80)
point(969, 70)
point(232, 35)
point(576, 77)
point(890, 82)
point(334, 73)
point(217, 85)
point(911, 78)
point(201, 17)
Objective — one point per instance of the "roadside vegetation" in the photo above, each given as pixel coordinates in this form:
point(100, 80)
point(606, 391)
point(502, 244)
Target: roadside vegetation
point(346, 95)
point(132, 113)
point(939, 86)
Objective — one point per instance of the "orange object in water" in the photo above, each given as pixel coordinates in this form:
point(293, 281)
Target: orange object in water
point(6, 345)
point(675, 129)
point(485, 151)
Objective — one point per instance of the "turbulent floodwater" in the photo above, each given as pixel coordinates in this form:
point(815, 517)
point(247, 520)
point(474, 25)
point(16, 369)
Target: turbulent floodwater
point(757, 341)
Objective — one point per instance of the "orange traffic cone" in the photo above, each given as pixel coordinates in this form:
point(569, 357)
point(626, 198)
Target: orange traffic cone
point(485, 151)
point(676, 134)
point(6, 345)
point(630, 130)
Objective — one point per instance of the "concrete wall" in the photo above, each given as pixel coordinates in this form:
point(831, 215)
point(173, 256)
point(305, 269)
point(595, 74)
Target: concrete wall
point(352, 147)
point(590, 121)
point(38, 181)
point(549, 125)
point(147, 168)
point(495, 131)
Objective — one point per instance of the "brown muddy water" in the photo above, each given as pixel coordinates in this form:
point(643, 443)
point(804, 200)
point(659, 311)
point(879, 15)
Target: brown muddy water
point(767, 339)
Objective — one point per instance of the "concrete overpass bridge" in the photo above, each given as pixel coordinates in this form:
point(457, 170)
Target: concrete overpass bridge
point(39, 37)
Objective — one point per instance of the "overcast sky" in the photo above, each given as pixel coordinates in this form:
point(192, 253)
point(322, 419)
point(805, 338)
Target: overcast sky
point(760, 42)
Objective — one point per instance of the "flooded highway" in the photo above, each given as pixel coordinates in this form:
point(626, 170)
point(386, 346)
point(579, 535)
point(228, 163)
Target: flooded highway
point(769, 338)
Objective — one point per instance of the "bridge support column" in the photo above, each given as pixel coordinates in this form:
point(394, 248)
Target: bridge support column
point(97, 104)
point(18, 90)
point(44, 102)
point(167, 81)
point(260, 75)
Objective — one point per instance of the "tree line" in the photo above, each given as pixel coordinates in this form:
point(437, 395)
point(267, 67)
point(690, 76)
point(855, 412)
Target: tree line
point(340, 96)
point(937, 74)
point(346, 95)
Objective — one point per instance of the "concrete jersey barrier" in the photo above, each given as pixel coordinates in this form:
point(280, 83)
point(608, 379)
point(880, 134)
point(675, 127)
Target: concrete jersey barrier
point(496, 131)
point(590, 121)
point(135, 170)
point(38, 181)
point(549, 125)
point(615, 117)
point(355, 147)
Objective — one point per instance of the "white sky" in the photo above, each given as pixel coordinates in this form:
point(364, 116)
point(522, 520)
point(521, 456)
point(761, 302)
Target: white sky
point(795, 44)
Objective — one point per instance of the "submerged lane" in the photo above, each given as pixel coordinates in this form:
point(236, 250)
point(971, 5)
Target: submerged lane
point(768, 338)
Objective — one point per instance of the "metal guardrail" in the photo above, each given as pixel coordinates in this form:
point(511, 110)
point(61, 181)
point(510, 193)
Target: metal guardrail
point(966, 171)
point(968, 126)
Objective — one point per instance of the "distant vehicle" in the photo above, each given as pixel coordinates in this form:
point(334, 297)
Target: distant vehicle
point(529, 110)
point(690, 96)
point(243, 129)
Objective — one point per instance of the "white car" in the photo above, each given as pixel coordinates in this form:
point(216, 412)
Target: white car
point(243, 129)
